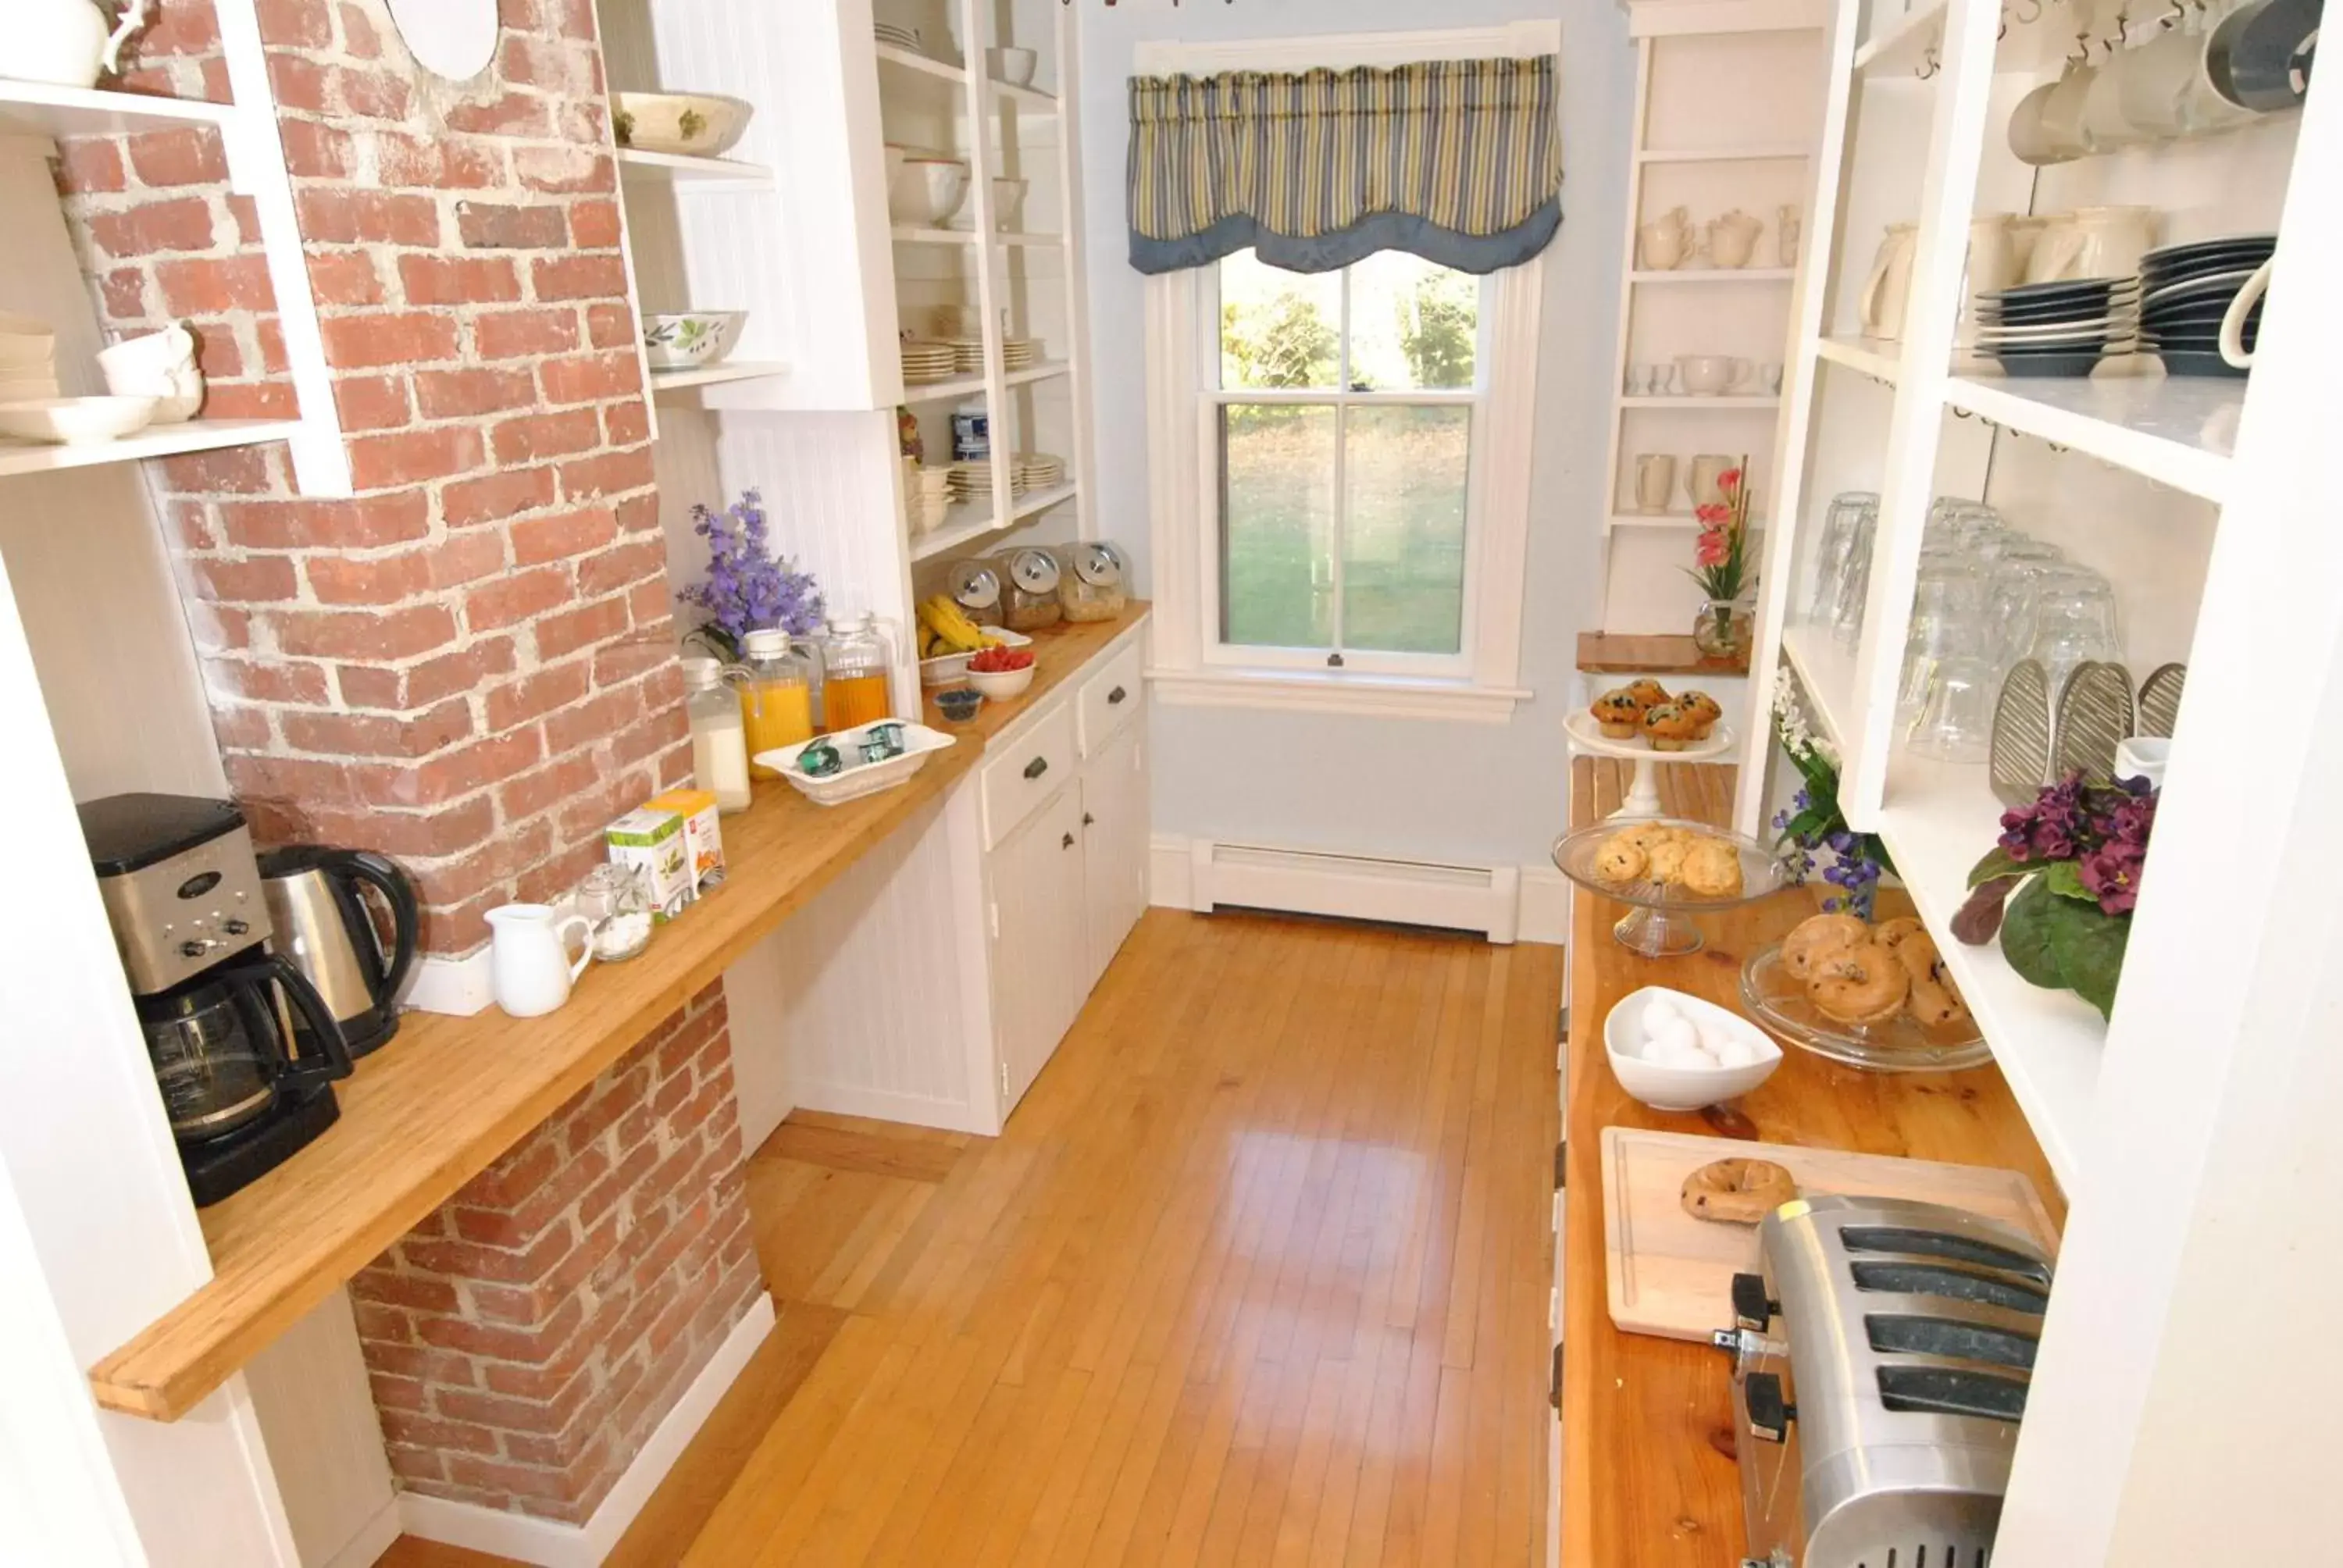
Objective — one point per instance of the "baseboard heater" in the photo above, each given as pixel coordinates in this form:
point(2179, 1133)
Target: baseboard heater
point(1359, 887)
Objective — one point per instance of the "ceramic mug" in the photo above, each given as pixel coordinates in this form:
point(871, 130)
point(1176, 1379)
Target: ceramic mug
point(1888, 288)
point(2106, 127)
point(530, 965)
point(1769, 377)
point(2233, 320)
point(2030, 139)
point(1655, 481)
point(2156, 81)
point(1711, 375)
point(2143, 757)
point(1662, 244)
point(159, 365)
point(1700, 483)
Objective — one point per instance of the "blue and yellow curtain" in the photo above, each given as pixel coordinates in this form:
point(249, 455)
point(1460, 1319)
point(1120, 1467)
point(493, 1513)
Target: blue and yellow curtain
point(1458, 161)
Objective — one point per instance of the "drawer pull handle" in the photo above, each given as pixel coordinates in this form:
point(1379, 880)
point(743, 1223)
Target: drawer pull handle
point(1035, 768)
point(1117, 694)
point(1067, 843)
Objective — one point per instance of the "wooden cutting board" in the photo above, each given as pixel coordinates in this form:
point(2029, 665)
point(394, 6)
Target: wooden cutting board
point(1672, 1275)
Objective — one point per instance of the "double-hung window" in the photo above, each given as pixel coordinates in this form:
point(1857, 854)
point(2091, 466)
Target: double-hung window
point(1340, 426)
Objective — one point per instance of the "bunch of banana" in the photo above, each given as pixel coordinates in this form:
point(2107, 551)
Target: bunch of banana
point(944, 627)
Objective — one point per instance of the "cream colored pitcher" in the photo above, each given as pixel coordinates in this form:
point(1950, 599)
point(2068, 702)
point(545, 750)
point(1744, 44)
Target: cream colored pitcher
point(1662, 244)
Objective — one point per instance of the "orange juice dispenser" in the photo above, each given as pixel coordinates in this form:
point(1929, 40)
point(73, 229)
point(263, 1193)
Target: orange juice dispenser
point(776, 694)
point(857, 666)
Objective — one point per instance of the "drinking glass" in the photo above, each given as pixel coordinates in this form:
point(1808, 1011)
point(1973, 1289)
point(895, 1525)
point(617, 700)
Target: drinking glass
point(1954, 721)
point(1847, 523)
point(1948, 622)
point(2074, 622)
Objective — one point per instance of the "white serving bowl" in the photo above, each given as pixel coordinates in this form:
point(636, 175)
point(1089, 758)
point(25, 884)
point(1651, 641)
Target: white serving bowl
point(690, 338)
point(1014, 66)
point(76, 421)
point(857, 779)
point(697, 125)
point(1000, 684)
point(1674, 1088)
point(948, 667)
point(927, 192)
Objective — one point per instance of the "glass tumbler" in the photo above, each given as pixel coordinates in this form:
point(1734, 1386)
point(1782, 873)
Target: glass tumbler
point(1954, 721)
point(1949, 621)
point(1851, 585)
point(2073, 622)
point(1846, 524)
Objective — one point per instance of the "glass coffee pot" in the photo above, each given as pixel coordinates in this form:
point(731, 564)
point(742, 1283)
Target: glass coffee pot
point(220, 1052)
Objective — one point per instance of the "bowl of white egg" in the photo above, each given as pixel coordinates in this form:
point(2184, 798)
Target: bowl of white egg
point(1676, 1052)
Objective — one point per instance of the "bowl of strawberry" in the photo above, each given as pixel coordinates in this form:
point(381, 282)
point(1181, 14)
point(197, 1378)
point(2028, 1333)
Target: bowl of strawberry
point(1001, 673)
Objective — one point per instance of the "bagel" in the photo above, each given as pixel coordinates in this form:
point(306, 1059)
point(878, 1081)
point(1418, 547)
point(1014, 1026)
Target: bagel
point(1816, 936)
point(1891, 933)
point(1935, 999)
point(1864, 983)
point(1737, 1191)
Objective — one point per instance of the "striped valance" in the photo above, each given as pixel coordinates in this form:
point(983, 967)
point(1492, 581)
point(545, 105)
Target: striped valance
point(1459, 161)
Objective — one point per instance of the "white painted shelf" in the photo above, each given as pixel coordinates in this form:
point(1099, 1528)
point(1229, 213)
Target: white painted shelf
point(1901, 43)
point(1761, 152)
point(1717, 275)
point(911, 60)
point(1022, 238)
point(942, 391)
point(1034, 501)
point(967, 521)
point(711, 375)
point(1683, 521)
point(1938, 821)
point(1032, 97)
point(912, 233)
point(155, 441)
point(47, 110)
point(704, 173)
point(1826, 668)
point(1873, 357)
point(1049, 369)
point(2178, 430)
point(1694, 403)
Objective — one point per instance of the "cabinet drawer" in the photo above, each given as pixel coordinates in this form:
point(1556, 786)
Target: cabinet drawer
point(1028, 771)
point(1110, 699)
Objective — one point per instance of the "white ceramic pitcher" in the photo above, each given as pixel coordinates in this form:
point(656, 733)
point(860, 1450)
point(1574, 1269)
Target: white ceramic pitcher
point(1662, 244)
point(529, 959)
point(1889, 288)
point(66, 42)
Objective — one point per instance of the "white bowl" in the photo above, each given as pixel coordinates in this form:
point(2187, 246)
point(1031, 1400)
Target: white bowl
point(697, 124)
point(691, 338)
point(1014, 66)
point(1672, 1088)
point(946, 669)
point(76, 421)
point(927, 192)
point(857, 779)
point(1000, 684)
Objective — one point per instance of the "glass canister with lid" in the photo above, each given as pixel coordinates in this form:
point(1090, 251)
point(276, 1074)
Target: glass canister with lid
point(720, 733)
point(857, 666)
point(776, 694)
point(1031, 592)
point(1091, 581)
point(975, 587)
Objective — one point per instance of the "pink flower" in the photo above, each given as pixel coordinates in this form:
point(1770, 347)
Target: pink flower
point(1729, 480)
point(1711, 549)
point(1712, 515)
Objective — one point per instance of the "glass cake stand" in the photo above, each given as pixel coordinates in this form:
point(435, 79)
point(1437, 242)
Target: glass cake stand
point(1899, 1044)
point(1643, 799)
point(1660, 925)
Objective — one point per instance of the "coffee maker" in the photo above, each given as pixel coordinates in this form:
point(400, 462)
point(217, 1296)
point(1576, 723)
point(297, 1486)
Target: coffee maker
point(183, 892)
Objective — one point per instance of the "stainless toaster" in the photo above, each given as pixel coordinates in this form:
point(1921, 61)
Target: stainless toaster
point(1880, 1364)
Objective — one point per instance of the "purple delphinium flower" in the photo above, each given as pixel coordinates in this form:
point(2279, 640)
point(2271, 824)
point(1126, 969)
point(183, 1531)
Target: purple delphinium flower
point(747, 587)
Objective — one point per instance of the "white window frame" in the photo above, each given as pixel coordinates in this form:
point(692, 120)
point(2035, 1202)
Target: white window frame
point(1191, 666)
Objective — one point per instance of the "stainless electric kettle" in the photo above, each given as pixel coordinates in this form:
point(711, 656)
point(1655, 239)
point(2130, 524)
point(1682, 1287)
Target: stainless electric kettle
point(323, 925)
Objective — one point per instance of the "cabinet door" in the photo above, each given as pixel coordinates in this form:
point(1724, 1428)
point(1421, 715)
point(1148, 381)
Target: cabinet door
point(1114, 847)
point(1038, 951)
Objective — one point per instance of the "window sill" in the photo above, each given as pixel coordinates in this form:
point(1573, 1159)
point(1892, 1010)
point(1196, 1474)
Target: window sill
point(1373, 696)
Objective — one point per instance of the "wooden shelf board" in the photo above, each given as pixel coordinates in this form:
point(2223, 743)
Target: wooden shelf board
point(1938, 821)
point(1755, 152)
point(1873, 357)
point(45, 109)
point(927, 65)
point(2178, 430)
point(694, 173)
point(1673, 654)
point(1717, 274)
point(711, 375)
point(448, 1096)
point(1699, 404)
point(155, 441)
point(1901, 44)
point(1825, 666)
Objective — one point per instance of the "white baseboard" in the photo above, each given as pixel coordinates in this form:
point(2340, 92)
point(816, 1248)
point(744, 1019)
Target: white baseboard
point(885, 1105)
point(460, 986)
point(365, 1548)
point(1166, 872)
point(1203, 874)
point(1545, 907)
point(551, 1545)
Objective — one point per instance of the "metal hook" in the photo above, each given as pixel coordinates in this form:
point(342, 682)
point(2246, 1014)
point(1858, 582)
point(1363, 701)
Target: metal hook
point(1930, 64)
point(2029, 21)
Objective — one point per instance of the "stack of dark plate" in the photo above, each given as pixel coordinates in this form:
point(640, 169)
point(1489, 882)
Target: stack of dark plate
point(2058, 329)
point(2186, 290)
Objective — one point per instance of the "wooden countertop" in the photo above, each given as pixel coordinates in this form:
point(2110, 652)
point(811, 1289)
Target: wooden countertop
point(1618, 653)
point(438, 1104)
point(1647, 1478)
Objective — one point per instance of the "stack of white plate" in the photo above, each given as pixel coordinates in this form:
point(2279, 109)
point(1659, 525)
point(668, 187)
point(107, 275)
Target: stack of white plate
point(901, 37)
point(925, 361)
point(1036, 471)
point(28, 358)
point(972, 482)
point(968, 355)
point(1020, 353)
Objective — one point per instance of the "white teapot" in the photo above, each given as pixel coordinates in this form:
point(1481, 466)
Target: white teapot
point(1730, 240)
point(66, 42)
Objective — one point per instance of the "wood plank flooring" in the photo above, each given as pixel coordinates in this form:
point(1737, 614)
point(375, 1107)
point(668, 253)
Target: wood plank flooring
point(1258, 1273)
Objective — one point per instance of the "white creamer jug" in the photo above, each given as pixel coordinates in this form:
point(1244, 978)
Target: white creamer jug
point(65, 42)
point(528, 960)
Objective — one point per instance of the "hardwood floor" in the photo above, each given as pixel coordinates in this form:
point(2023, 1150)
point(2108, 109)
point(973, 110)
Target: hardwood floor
point(1258, 1273)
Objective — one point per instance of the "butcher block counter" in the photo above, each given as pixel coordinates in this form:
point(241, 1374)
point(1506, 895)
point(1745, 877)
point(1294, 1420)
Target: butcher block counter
point(438, 1104)
point(1647, 1474)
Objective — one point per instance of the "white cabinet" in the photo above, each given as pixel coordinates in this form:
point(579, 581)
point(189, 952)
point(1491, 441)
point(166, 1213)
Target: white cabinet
point(1041, 970)
point(1114, 847)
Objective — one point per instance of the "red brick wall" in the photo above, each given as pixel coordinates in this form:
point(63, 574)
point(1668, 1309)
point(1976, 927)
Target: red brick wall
point(523, 1340)
point(472, 665)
